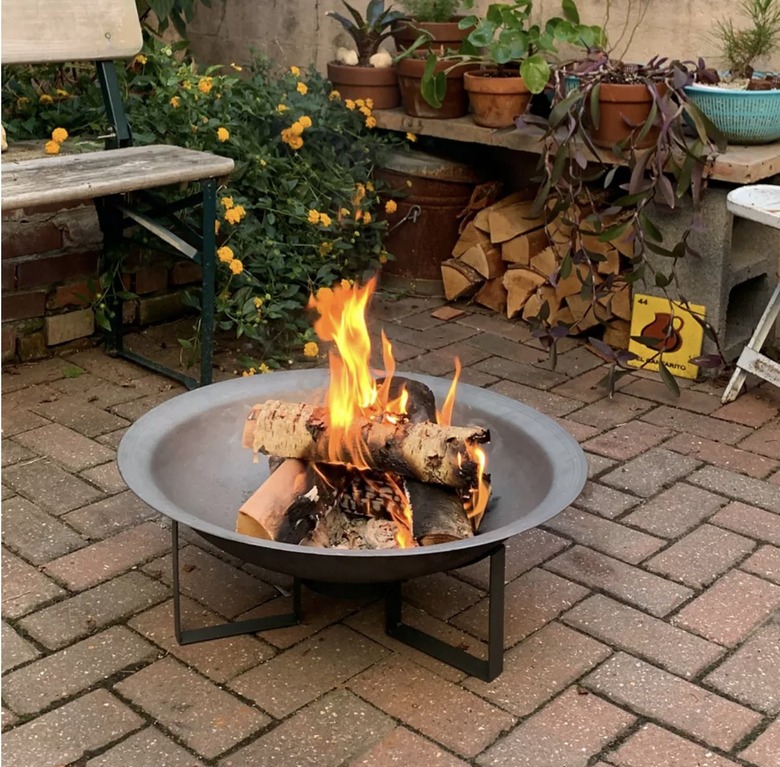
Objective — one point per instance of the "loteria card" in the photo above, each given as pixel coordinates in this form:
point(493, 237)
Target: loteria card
point(668, 331)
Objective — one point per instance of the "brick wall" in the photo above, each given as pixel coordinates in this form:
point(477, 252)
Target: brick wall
point(49, 267)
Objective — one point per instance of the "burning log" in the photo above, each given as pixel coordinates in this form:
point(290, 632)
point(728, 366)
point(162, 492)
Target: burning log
point(425, 451)
point(438, 514)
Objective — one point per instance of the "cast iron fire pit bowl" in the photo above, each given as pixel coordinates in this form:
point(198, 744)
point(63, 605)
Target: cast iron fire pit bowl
point(184, 459)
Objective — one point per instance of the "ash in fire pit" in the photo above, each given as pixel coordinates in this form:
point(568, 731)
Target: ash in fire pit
point(378, 466)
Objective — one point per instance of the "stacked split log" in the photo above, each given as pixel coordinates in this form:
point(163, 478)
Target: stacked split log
point(508, 260)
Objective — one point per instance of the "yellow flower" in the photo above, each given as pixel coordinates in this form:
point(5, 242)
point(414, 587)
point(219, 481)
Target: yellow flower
point(232, 217)
point(140, 59)
point(205, 84)
point(59, 135)
point(52, 147)
point(302, 88)
point(366, 218)
point(21, 101)
point(295, 71)
point(175, 102)
point(236, 266)
point(236, 66)
point(370, 122)
point(314, 216)
point(334, 95)
point(369, 186)
point(370, 103)
point(325, 219)
point(225, 254)
point(305, 121)
point(311, 349)
point(258, 303)
point(411, 137)
point(264, 368)
point(216, 227)
point(263, 163)
point(223, 134)
point(383, 258)
point(62, 94)
point(46, 99)
point(360, 193)
point(187, 85)
point(343, 212)
point(349, 103)
point(391, 206)
point(240, 211)
point(360, 103)
point(296, 129)
point(282, 108)
point(325, 248)
point(365, 111)
point(227, 203)
point(296, 142)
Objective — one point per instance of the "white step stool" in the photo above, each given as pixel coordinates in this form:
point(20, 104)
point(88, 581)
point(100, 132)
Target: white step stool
point(759, 203)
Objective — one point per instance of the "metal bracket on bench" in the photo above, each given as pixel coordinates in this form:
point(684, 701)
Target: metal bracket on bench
point(485, 669)
point(222, 630)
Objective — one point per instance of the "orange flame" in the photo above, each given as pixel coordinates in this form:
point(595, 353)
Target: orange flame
point(354, 397)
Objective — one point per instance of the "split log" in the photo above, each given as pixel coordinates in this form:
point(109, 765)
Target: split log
point(572, 284)
point(487, 261)
point(492, 295)
point(617, 334)
point(481, 219)
point(438, 515)
point(520, 284)
point(506, 223)
point(471, 236)
point(288, 490)
point(584, 312)
point(545, 294)
point(425, 451)
point(546, 262)
point(521, 249)
point(459, 279)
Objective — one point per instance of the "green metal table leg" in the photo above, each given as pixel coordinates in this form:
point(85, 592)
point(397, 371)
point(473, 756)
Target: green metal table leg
point(111, 221)
point(208, 265)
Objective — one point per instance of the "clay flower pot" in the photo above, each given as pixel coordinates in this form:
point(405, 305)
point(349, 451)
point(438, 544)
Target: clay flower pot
point(456, 100)
point(379, 84)
point(446, 34)
point(495, 100)
point(623, 109)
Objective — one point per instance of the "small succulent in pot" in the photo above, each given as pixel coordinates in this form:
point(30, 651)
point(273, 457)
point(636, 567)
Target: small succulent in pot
point(368, 31)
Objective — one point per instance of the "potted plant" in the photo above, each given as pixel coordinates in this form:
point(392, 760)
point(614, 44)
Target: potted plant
point(659, 160)
point(510, 52)
point(745, 104)
point(436, 19)
point(367, 72)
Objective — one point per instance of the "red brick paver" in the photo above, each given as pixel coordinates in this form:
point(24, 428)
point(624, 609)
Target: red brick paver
point(765, 749)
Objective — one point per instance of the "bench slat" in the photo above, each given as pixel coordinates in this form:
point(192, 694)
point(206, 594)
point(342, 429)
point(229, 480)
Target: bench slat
point(69, 178)
point(37, 31)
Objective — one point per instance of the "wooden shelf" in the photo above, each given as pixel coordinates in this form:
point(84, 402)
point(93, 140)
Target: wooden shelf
point(738, 165)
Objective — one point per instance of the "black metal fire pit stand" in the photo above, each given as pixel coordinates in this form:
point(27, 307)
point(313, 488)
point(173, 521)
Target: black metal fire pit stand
point(486, 669)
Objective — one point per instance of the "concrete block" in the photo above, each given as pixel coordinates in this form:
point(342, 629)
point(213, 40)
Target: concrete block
point(80, 228)
point(9, 342)
point(67, 327)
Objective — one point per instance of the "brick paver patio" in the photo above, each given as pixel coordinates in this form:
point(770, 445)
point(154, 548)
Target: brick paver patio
point(642, 624)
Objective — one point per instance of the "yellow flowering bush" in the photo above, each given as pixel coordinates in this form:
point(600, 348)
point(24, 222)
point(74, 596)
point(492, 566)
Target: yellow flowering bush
point(286, 218)
point(52, 147)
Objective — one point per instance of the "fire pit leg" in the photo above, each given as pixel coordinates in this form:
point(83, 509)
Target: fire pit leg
point(222, 630)
point(486, 670)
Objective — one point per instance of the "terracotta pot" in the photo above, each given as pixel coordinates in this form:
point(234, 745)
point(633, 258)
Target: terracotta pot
point(381, 85)
point(620, 107)
point(496, 101)
point(446, 35)
point(456, 100)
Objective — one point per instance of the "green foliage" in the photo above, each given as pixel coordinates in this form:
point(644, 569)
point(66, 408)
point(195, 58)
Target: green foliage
point(167, 12)
point(741, 47)
point(370, 30)
point(505, 38)
point(299, 212)
point(431, 10)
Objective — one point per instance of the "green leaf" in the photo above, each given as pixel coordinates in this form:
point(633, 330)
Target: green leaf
point(71, 371)
point(433, 86)
point(535, 72)
point(614, 232)
point(570, 11)
point(595, 109)
point(669, 380)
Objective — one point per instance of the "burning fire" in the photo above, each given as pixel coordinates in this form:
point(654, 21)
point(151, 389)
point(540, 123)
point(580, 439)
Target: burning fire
point(354, 395)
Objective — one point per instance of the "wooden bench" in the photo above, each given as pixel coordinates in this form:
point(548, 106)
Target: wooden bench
point(121, 180)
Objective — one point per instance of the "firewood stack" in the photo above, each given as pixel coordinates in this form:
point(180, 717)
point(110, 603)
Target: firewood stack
point(507, 260)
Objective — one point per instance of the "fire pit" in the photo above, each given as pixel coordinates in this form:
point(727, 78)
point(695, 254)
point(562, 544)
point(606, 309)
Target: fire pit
point(185, 459)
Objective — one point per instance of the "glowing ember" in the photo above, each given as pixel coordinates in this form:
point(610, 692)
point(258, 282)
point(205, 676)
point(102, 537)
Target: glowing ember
point(354, 397)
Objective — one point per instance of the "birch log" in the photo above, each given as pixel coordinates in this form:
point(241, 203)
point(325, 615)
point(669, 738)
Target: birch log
point(427, 452)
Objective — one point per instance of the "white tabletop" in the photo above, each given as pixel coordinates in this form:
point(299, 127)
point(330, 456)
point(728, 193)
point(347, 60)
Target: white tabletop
point(760, 202)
